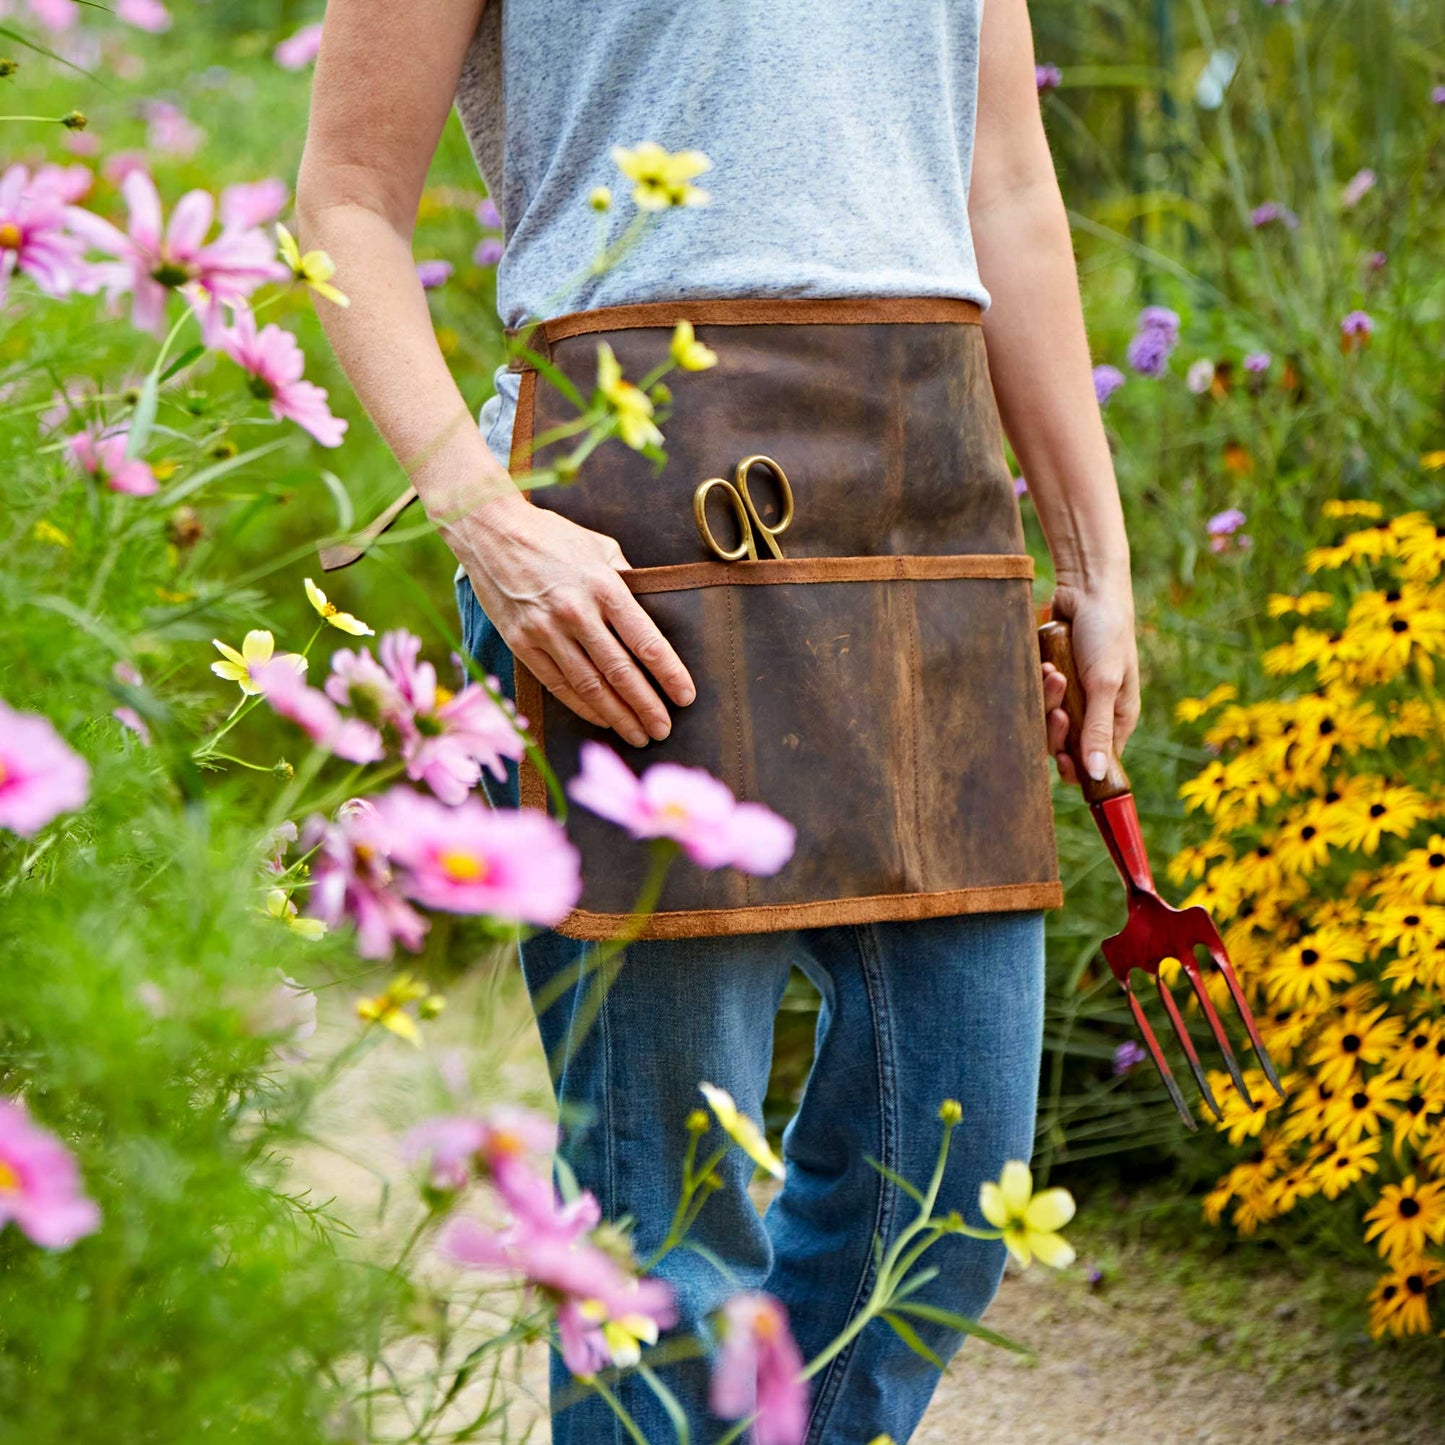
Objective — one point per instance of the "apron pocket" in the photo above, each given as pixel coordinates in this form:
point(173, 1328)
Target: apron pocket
point(890, 707)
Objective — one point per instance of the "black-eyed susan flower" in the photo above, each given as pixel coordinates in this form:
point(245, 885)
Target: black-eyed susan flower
point(662, 179)
point(1417, 1119)
point(1363, 1106)
point(1337, 507)
point(1191, 709)
point(1386, 808)
point(1399, 1303)
point(1405, 1217)
point(1420, 1054)
point(1420, 874)
point(1301, 846)
point(1419, 546)
point(1354, 1039)
point(1339, 1166)
point(1310, 970)
point(1281, 604)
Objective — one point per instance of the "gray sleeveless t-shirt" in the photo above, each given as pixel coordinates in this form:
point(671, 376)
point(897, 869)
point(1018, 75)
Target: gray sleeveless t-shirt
point(840, 134)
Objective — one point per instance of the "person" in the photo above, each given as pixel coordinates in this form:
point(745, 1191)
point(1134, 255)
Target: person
point(857, 151)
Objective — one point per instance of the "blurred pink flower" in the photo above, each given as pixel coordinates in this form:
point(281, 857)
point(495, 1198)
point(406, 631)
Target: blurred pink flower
point(503, 1145)
point(70, 182)
point(515, 865)
point(105, 459)
point(311, 710)
point(171, 131)
point(1357, 188)
point(273, 358)
point(299, 49)
point(253, 203)
point(151, 262)
point(487, 252)
point(758, 1370)
point(447, 739)
point(56, 15)
point(39, 1183)
point(33, 238)
point(358, 681)
point(144, 14)
point(40, 775)
point(352, 877)
point(119, 164)
point(687, 805)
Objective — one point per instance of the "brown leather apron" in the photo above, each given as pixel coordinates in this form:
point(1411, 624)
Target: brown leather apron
point(878, 685)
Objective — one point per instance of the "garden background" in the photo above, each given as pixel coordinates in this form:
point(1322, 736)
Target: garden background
point(1258, 199)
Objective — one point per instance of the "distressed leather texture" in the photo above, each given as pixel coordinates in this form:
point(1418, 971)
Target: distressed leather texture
point(891, 710)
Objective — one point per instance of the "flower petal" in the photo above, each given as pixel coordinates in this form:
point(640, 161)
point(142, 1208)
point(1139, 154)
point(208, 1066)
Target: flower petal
point(1049, 1210)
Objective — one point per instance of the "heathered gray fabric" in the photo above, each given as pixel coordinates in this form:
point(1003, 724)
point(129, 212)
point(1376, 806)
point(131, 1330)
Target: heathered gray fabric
point(840, 132)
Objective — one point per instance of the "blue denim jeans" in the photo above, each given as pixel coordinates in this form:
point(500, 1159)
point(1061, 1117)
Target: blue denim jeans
point(911, 1014)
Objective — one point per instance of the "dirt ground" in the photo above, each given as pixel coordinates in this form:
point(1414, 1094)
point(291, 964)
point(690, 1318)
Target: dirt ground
point(1135, 1345)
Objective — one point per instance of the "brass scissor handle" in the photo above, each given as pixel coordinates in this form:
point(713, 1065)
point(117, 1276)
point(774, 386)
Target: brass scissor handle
point(750, 523)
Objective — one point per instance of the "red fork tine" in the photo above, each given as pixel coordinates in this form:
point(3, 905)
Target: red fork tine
point(1153, 930)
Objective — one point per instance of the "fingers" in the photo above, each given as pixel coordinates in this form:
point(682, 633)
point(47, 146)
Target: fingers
point(1057, 722)
point(626, 680)
point(550, 676)
point(588, 683)
point(1101, 694)
point(640, 635)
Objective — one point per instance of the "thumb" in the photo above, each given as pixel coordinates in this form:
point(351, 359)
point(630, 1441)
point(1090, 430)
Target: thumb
point(1096, 740)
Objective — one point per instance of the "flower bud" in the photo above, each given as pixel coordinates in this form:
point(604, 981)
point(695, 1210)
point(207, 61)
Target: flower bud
point(950, 1111)
point(600, 198)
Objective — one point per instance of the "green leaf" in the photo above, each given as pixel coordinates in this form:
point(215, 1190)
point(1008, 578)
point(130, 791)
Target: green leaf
point(910, 1337)
point(206, 475)
point(669, 1403)
point(183, 360)
point(916, 1195)
point(965, 1326)
point(144, 416)
point(345, 512)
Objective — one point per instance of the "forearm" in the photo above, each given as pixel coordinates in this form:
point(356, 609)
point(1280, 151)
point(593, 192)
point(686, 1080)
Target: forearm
point(1038, 356)
point(387, 347)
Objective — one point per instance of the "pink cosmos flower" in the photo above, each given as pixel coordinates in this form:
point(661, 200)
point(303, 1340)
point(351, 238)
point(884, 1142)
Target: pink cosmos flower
point(253, 203)
point(758, 1370)
point(150, 261)
point(359, 682)
point(274, 360)
point(144, 14)
point(311, 710)
point(39, 1183)
point(71, 182)
point(352, 878)
point(602, 1310)
point(447, 739)
point(687, 805)
point(56, 15)
point(171, 131)
point(502, 1145)
point(40, 776)
point(299, 49)
point(105, 459)
point(515, 865)
point(119, 164)
point(33, 238)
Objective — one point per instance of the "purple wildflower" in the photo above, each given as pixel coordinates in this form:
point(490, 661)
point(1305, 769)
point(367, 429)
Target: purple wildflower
point(432, 274)
point(1257, 361)
point(1225, 523)
point(1107, 380)
point(1158, 330)
point(1127, 1056)
point(1355, 330)
point(487, 214)
point(1437, 96)
point(1272, 212)
point(1047, 77)
point(1357, 188)
point(488, 251)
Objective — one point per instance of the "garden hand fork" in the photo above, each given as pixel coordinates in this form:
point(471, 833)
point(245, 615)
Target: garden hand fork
point(1153, 930)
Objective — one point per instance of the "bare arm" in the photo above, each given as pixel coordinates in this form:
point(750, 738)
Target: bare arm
point(1038, 357)
point(385, 78)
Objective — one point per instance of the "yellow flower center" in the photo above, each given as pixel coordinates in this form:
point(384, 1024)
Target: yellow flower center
point(443, 695)
point(9, 1179)
point(10, 237)
point(462, 867)
point(674, 810)
point(765, 1325)
point(505, 1142)
point(3, 775)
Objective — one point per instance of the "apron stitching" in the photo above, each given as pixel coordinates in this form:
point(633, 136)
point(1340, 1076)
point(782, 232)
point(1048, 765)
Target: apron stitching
point(876, 988)
point(915, 702)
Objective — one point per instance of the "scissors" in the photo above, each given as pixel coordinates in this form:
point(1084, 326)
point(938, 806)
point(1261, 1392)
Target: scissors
point(750, 523)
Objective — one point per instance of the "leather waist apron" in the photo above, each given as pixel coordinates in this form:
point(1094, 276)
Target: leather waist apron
point(878, 685)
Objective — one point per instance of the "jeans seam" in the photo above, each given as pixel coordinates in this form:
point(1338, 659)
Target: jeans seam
point(831, 1385)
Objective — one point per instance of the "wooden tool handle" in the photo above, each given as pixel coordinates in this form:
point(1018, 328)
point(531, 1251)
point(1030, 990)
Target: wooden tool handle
point(1056, 646)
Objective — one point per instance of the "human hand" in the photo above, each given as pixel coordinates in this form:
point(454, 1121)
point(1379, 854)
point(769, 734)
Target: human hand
point(552, 590)
point(1105, 654)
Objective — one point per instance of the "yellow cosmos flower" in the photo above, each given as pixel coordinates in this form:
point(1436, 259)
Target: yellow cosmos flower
point(315, 269)
point(662, 179)
point(280, 907)
point(628, 403)
point(741, 1129)
point(1399, 1303)
point(688, 352)
point(1030, 1222)
point(625, 1337)
point(343, 621)
point(388, 1008)
point(257, 647)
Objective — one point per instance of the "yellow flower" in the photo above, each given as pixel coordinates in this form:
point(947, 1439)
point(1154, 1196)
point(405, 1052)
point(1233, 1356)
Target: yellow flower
point(1421, 873)
point(1362, 1107)
point(1280, 604)
point(741, 1129)
point(280, 907)
point(1191, 709)
point(662, 179)
point(1383, 809)
point(629, 404)
point(1405, 1217)
point(1341, 1165)
point(1351, 507)
point(388, 1008)
point(688, 352)
point(315, 268)
point(343, 621)
point(1310, 969)
point(625, 1337)
point(1354, 1039)
point(257, 647)
point(600, 198)
point(1421, 1054)
point(1433, 461)
point(48, 532)
point(1399, 1304)
point(1030, 1222)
